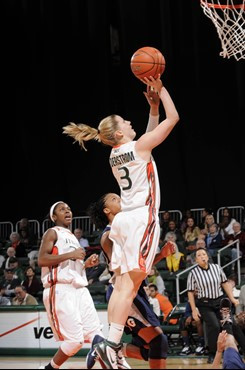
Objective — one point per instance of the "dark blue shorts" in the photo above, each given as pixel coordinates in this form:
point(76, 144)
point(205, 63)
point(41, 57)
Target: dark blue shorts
point(232, 359)
point(144, 307)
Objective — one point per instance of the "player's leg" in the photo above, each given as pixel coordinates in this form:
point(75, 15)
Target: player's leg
point(158, 346)
point(64, 318)
point(91, 325)
point(125, 290)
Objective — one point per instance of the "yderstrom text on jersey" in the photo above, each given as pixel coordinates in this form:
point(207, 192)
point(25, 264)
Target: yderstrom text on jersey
point(121, 159)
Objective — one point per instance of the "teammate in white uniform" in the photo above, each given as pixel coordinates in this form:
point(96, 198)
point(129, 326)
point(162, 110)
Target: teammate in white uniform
point(69, 305)
point(135, 230)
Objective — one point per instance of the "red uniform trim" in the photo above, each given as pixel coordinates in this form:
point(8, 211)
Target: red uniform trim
point(148, 236)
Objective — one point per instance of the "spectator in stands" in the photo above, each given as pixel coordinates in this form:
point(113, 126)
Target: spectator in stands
point(205, 212)
point(31, 283)
point(9, 283)
point(237, 234)
point(16, 243)
point(191, 258)
point(164, 220)
point(176, 260)
point(213, 240)
point(10, 253)
point(187, 326)
point(153, 302)
point(4, 301)
point(79, 235)
point(154, 277)
point(241, 306)
point(226, 222)
point(165, 304)
point(172, 226)
point(191, 234)
point(17, 270)
point(33, 258)
point(28, 238)
point(202, 236)
point(22, 298)
point(183, 222)
point(209, 220)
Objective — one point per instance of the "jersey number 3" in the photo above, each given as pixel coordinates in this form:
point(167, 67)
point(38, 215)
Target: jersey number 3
point(126, 177)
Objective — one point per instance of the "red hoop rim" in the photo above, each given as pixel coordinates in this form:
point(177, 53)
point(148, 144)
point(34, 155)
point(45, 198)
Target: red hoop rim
point(219, 6)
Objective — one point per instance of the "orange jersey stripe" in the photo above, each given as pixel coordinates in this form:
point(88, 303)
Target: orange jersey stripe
point(53, 312)
point(147, 239)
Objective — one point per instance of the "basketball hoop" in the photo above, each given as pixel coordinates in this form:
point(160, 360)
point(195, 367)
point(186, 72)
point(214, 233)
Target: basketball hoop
point(228, 17)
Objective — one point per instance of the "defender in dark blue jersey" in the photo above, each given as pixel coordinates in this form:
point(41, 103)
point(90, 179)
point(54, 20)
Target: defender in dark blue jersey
point(148, 341)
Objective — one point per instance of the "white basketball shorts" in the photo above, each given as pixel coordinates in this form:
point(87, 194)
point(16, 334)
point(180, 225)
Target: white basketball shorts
point(71, 313)
point(135, 236)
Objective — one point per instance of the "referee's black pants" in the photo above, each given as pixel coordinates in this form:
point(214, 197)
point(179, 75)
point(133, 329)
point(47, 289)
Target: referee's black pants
point(209, 310)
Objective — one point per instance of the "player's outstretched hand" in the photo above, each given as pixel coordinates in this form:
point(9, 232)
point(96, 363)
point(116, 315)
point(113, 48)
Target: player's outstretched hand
point(221, 341)
point(152, 96)
point(155, 83)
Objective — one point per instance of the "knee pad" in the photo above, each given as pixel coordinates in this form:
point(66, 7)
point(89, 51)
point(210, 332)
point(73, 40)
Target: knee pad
point(158, 347)
point(70, 349)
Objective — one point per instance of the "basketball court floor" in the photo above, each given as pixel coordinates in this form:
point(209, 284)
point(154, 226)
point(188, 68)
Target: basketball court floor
point(79, 363)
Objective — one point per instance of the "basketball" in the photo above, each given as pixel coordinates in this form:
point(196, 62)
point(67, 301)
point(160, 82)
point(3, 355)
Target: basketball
point(146, 62)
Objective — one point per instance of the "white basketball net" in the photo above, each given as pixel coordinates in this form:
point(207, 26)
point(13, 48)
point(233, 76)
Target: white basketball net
point(229, 20)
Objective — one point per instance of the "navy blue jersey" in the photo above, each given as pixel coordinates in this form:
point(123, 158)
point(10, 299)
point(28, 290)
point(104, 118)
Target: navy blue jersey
point(133, 325)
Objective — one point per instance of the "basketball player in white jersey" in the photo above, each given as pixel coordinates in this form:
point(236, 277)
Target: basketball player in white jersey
point(134, 231)
point(69, 305)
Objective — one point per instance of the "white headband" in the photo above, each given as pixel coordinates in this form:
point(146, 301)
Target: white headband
point(51, 212)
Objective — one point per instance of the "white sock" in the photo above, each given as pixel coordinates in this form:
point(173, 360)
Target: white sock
point(53, 364)
point(115, 332)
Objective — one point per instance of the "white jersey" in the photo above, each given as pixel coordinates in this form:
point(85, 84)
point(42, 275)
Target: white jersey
point(137, 178)
point(67, 272)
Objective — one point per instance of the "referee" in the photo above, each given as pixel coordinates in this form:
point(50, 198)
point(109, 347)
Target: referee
point(208, 279)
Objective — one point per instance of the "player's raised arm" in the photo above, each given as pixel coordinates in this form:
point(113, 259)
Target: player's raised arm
point(153, 99)
point(152, 139)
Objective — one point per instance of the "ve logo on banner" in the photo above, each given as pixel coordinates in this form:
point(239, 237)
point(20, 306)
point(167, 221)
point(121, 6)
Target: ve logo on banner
point(46, 332)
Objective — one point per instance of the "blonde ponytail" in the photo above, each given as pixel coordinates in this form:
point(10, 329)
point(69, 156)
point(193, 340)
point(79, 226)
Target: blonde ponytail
point(105, 132)
point(81, 133)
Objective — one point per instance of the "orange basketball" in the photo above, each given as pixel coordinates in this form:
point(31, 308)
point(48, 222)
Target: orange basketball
point(146, 62)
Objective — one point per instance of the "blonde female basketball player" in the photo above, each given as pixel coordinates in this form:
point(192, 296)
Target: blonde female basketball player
point(69, 305)
point(134, 231)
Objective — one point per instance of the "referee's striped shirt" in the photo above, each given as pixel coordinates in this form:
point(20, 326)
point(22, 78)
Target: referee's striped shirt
point(208, 282)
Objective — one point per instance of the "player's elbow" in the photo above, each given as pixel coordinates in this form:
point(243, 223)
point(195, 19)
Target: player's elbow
point(41, 262)
point(175, 118)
